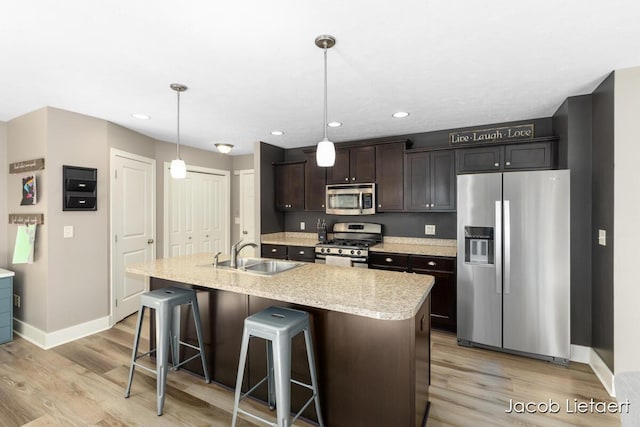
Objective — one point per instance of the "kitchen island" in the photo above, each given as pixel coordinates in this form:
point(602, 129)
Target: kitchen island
point(370, 330)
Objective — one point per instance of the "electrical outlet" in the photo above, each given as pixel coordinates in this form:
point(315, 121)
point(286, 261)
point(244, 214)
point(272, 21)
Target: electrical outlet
point(16, 300)
point(602, 237)
point(430, 230)
point(302, 225)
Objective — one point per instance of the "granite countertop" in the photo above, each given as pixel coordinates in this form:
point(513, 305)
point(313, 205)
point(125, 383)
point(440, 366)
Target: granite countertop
point(376, 294)
point(6, 273)
point(392, 244)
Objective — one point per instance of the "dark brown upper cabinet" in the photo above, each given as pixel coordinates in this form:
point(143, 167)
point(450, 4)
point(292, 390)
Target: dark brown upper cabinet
point(289, 191)
point(353, 165)
point(390, 177)
point(430, 181)
point(498, 158)
point(315, 184)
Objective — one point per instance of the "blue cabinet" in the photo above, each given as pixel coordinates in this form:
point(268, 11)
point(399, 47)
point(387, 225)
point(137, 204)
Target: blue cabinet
point(6, 306)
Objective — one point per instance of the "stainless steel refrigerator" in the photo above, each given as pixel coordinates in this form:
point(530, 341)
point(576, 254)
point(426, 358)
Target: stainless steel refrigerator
point(513, 277)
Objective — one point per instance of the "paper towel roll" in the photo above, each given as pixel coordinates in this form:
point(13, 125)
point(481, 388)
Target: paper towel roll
point(338, 260)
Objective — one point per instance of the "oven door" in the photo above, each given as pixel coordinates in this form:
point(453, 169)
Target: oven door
point(343, 261)
point(352, 199)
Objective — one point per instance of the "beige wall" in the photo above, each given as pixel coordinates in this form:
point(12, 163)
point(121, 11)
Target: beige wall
point(626, 288)
point(68, 284)
point(26, 140)
point(3, 195)
point(78, 266)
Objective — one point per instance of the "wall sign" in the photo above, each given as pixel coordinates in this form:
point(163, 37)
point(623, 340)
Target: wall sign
point(26, 166)
point(487, 136)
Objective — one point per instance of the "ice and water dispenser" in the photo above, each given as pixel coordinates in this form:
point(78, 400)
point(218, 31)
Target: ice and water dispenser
point(478, 245)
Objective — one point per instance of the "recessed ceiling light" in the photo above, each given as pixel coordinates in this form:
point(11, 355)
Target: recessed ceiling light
point(334, 124)
point(400, 114)
point(277, 133)
point(140, 116)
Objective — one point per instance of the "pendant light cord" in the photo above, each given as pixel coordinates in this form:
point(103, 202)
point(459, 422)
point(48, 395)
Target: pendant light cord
point(325, 93)
point(178, 126)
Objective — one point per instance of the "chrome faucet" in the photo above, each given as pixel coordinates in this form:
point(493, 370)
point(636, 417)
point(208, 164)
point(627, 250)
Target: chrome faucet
point(235, 249)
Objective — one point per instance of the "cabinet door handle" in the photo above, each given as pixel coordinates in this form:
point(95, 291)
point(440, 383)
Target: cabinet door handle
point(388, 260)
point(439, 316)
point(432, 205)
point(323, 205)
point(431, 263)
point(379, 206)
point(496, 164)
point(353, 178)
point(508, 163)
point(346, 179)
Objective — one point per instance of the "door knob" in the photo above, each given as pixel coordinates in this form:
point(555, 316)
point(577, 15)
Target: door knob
point(150, 241)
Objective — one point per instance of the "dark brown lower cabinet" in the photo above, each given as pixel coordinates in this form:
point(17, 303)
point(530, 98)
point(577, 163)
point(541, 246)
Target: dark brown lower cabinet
point(371, 372)
point(443, 293)
point(293, 253)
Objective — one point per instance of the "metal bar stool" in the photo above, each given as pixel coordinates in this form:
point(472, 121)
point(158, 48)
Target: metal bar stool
point(277, 325)
point(166, 302)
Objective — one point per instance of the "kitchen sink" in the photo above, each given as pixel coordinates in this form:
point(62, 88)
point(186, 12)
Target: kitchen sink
point(240, 263)
point(262, 266)
point(270, 267)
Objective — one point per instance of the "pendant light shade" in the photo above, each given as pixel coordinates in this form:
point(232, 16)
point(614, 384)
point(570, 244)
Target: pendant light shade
point(178, 169)
point(325, 151)
point(178, 166)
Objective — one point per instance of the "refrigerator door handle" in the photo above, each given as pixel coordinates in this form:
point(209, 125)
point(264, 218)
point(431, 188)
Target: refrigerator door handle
point(498, 247)
point(507, 247)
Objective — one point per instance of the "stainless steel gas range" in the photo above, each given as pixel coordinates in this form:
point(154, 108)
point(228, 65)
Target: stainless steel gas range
point(350, 244)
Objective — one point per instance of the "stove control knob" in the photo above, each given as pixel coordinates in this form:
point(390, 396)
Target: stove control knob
point(359, 252)
point(328, 250)
point(322, 250)
point(352, 251)
point(339, 251)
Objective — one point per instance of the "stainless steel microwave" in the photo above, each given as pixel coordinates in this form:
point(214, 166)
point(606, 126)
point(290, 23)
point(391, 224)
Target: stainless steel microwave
point(351, 199)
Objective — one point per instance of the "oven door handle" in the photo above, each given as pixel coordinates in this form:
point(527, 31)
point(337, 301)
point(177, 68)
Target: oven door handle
point(361, 202)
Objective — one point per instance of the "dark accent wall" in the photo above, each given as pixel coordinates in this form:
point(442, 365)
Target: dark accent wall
point(409, 224)
point(271, 220)
point(602, 218)
point(572, 124)
point(405, 224)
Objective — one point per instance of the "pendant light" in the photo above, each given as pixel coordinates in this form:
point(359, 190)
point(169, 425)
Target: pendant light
point(178, 166)
point(325, 151)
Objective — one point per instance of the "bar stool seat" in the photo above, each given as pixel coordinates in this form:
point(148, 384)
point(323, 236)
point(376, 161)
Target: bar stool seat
point(278, 326)
point(167, 302)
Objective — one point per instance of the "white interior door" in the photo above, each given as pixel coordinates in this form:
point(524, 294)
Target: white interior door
point(198, 213)
point(182, 217)
point(133, 227)
point(247, 210)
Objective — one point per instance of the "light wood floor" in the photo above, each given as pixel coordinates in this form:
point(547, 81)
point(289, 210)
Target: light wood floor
point(82, 383)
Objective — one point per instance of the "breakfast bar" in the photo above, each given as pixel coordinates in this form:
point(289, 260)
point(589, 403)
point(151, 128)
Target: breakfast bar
point(370, 329)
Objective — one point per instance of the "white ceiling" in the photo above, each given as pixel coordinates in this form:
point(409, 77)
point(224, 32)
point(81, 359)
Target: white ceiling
point(252, 66)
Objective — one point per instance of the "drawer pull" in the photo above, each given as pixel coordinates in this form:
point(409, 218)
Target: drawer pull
point(388, 260)
point(274, 250)
point(439, 316)
point(301, 252)
point(431, 263)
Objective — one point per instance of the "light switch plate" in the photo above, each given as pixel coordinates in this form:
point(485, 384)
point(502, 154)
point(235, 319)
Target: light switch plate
point(302, 225)
point(602, 237)
point(68, 231)
point(430, 230)
point(236, 220)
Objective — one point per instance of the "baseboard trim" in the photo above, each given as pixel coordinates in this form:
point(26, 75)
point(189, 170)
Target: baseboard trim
point(580, 353)
point(602, 371)
point(49, 340)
